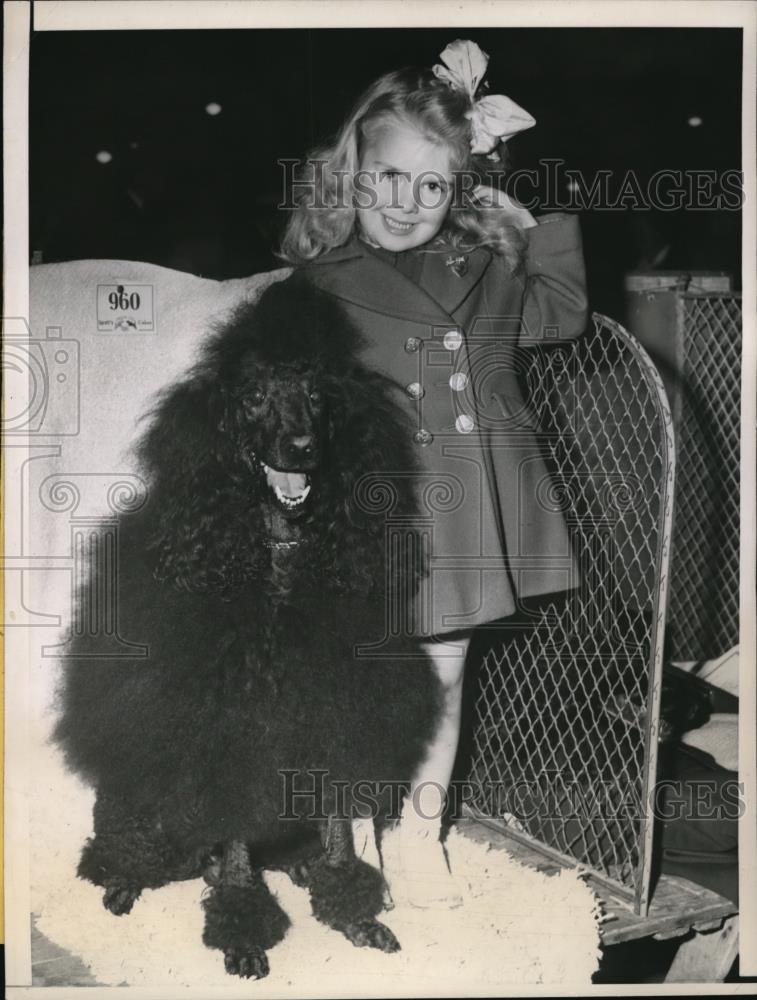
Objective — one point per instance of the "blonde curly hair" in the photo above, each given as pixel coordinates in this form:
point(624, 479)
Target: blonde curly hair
point(324, 212)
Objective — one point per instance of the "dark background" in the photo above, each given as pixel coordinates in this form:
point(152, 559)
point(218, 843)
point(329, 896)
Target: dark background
point(199, 193)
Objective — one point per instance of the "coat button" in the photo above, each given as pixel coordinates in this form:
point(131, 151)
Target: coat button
point(458, 381)
point(423, 436)
point(415, 390)
point(452, 340)
point(413, 344)
point(464, 424)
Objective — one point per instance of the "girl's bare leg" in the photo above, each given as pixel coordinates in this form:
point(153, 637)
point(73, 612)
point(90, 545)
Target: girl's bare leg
point(424, 877)
point(449, 662)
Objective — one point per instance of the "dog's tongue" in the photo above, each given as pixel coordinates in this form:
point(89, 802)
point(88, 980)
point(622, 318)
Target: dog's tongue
point(291, 484)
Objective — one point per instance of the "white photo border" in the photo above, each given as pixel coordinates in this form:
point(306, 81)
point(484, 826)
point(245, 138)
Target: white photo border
point(46, 15)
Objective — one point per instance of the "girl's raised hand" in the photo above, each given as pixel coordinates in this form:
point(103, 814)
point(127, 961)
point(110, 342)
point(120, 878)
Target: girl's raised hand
point(494, 198)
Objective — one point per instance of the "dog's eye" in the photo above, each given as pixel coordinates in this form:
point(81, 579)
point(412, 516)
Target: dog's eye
point(257, 396)
point(315, 396)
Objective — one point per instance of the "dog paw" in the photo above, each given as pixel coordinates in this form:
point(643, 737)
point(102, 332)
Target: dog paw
point(249, 963)
point(211, 871)
point(119, 898)
point(299, 873)
point(372, 934)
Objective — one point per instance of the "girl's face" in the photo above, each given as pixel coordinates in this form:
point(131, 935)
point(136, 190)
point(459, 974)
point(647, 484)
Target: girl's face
point(405, 182)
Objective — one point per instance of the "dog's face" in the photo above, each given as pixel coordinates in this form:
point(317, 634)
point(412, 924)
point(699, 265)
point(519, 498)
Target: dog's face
point(277, 415)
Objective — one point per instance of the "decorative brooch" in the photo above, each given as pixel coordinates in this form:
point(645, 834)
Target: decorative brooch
point(458, 265)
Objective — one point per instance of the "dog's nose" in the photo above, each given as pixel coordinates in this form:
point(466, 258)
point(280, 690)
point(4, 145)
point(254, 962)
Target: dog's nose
point(302, 445)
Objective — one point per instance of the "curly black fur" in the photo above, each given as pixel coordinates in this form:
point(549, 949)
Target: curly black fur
point(251, 613)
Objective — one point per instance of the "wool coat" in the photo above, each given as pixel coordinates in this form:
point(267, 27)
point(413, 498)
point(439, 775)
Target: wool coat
point(453, 340)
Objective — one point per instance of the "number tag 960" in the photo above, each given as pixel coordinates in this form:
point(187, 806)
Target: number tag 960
point(125, 308)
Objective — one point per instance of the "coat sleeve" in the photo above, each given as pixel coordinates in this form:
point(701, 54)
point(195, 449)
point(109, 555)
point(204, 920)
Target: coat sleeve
point(554, 304)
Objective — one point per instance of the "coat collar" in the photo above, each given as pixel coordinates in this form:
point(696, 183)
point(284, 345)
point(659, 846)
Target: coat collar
point(449, 286)
point(352, 273)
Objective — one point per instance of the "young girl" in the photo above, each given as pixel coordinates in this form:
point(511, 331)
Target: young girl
point(448, 277)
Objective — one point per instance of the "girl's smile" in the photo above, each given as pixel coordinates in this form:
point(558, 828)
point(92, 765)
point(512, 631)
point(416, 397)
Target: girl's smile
point(395, 227)
point(410, 185)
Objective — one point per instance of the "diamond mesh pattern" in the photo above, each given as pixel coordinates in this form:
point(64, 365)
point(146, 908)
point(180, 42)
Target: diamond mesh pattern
point(564, 738)
point(703, 617)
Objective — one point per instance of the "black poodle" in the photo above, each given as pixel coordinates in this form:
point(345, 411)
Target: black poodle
point(258, 571)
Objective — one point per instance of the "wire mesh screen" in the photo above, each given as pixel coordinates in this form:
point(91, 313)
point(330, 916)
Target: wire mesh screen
point(703, 615)
point(565, 732)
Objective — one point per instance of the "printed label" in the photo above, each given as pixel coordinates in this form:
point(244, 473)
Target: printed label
point(125, 308)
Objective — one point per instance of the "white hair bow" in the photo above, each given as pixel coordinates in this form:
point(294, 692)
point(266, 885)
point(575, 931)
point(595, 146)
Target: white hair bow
point(494, 118)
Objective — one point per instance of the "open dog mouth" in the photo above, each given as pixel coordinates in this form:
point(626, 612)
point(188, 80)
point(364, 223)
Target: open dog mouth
point(290, 489)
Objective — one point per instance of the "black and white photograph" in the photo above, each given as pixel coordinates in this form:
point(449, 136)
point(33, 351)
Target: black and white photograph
point(378, 438)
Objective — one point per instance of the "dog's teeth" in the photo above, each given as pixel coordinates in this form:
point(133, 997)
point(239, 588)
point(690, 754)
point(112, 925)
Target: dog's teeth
point(291, 501)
